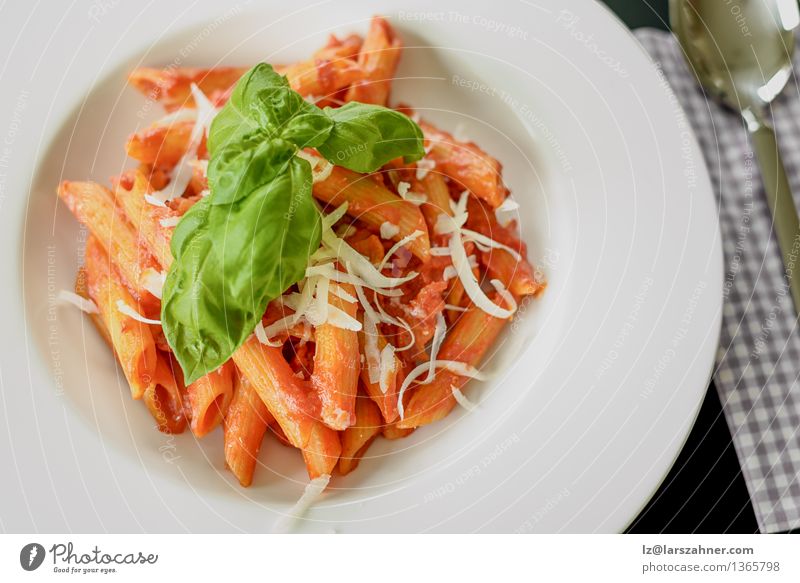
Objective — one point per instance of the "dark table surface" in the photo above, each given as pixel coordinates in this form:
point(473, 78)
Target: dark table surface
point(705, 490)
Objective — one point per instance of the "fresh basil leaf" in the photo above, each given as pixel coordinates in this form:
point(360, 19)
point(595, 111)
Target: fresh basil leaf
point(235, 119)
point(239, 168)
point(193, 220)
point(365, 137)
point(233, 261)
point(282, 112)
point(308, 129)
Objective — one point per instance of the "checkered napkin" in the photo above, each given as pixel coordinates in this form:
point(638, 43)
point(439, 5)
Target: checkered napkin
point(758, 362)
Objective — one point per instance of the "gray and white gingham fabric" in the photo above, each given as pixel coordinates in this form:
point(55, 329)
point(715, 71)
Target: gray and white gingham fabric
point(758, 362)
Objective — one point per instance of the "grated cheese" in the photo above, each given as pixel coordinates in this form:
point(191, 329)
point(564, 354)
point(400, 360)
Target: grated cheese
point(484, 243)
point(84, 305)
point(182, 173)
point(454, 366)
point(153, 281)
point(505, 294)
point(317, 174)
point(424, 166)
point(462, 400)
point(388, 365)
point(261, 335)
point(389, 230)
point(170, 222)
point(505, 211)
point(371, 350)
point(311, 494)
point(438, 337)
point(131, 313)
point(396, 247)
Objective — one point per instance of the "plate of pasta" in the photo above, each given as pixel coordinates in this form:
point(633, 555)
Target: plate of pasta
point(322, 270)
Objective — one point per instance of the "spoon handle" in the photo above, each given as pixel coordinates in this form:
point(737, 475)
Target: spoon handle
point(779, 198)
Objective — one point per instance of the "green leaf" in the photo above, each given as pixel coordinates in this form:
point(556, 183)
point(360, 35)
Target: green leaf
point(308, 129)
point(239, 168)
point(231, 260)
point(282, 112)
point(235, 120)
point(250, 239)
point(365, 137)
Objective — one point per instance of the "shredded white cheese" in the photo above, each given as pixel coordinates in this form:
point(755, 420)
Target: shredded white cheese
point(131, 313)
point(462, 400)
point(505, 212)
point(413, 197)
point(396, 247)
point(387, 367)
point(505, 294)
point(371, 350)
point(261, 335)
point(84, 305)
point(297, 512)
point(182, 173)
point(454, 366)
point(424, 166)
point(454, 308)
point(438, 337)
point(389, 230)
point(342, 319)
point(400, 323)
point(155, 201)
point(320, 168)
point(153, 281)
point(484, 243)
point(343, 294)
point(170, 222)
point(179, 115)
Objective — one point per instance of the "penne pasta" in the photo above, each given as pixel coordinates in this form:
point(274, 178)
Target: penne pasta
point(322, 77)
point(337, 357)
point(291, 403)
point(208, 399)
point(132, 340)
point(378, 58)
point(466, 164)
point(162, 145)
point(82, 290)
point(438, 198)
point(369, 247)
point(357, 438)
point(172, 86)
point(373, 205)
point(386, 401)
point(337, 365)
point(147, 218)
point(517, 275)
point(392, 431)
point(467, 342)
point(246, 423)
point(93, 205)
point(164, 399)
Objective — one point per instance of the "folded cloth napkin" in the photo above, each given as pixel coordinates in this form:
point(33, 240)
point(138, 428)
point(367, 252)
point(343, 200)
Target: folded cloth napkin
point(758, 362)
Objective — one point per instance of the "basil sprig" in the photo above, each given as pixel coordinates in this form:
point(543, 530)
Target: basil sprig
point(250, 239)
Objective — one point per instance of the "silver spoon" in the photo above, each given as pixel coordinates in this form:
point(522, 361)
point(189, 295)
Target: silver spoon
point(741, 52)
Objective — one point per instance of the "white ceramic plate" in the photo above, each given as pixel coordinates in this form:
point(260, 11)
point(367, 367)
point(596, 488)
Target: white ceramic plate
point(595, 386)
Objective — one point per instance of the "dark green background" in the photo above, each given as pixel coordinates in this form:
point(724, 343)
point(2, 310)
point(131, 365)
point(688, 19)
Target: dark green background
point(638, 13)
